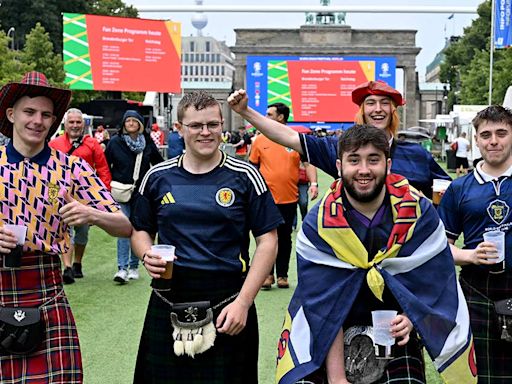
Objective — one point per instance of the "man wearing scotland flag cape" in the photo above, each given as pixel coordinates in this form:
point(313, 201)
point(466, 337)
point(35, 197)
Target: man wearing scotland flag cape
point(374, 243)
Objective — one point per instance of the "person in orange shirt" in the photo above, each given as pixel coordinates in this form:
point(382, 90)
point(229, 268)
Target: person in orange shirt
point(280, 169)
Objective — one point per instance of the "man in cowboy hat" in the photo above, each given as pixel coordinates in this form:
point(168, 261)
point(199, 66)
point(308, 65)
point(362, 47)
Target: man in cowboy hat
point(378, 103)
point(46, 191)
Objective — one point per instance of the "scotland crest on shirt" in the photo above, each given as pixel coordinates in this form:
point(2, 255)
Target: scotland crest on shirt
point(225, 197)
point(498, 211)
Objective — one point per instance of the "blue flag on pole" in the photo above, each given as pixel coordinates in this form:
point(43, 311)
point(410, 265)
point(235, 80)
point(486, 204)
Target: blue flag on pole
point(502, 30)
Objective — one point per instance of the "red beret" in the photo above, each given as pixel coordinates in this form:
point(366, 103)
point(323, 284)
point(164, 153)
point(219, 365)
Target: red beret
point(378, 87)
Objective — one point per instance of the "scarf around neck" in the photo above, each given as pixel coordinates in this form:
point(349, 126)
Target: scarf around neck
point(334, 229)
point(137, 145)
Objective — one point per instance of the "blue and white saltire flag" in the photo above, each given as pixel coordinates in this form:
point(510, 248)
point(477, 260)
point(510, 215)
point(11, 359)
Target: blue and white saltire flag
point(416, 266)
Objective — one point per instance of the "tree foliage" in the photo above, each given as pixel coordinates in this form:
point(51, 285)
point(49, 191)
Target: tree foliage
point(49, 14)
point(36, 55)
point(466, 65)
point(38, 52)
point(38, 37)
point(11, 68)
point(112, 8)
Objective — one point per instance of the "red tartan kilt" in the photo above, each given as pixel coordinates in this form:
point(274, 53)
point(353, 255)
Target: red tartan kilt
point(58, 360)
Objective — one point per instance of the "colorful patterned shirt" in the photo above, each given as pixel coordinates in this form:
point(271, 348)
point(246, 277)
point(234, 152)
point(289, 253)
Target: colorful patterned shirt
point(31, 190)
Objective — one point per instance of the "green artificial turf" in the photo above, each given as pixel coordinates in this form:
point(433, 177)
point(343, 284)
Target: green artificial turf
point(110, 317)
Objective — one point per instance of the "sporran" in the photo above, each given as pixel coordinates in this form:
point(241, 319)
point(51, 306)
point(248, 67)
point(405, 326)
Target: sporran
point(21, 330)
point(503, 310)
point(361, 364)
point(193, 329)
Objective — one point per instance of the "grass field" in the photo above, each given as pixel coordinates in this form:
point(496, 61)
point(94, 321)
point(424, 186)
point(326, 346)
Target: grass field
point(110, 317)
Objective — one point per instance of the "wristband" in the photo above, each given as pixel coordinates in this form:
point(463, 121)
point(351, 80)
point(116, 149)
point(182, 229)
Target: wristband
point(314, 184)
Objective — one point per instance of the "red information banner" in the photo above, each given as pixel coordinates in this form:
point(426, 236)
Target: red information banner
point(321, 91)
point(125, 54)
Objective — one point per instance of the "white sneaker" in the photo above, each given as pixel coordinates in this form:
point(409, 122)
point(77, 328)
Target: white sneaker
point(121, 276)
point(133, 274)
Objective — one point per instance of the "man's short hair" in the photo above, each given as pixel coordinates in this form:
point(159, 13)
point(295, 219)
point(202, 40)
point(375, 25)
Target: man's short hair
point(361, 135)
point(493, 114)
point(281, 109)
point(199, 100)
point(74, 111)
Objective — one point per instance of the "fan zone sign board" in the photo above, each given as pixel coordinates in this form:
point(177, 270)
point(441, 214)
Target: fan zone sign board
point(121, 54)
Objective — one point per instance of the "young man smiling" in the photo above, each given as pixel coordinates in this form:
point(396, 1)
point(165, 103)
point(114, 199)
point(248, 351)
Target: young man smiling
point(47, 191)
point(373, 243)
point(204, 202)
point(472, 205)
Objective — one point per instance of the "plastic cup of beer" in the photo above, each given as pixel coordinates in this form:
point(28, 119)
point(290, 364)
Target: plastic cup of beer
point(13, 258)
point(498, 239)
point(438, 187)
point(166, 252)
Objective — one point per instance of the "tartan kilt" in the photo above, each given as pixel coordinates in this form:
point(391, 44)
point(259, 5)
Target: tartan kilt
point(58, 359)
point(493, 355)
point(232, 359)
point(408, 366)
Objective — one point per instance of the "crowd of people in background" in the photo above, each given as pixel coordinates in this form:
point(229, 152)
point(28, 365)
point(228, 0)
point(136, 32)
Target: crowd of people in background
point(373, 241)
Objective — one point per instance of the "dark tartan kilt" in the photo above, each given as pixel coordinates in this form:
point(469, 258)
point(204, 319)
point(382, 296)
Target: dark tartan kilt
point(58, 359)
point(232, 359)
point(493, 355)
point(407, 367)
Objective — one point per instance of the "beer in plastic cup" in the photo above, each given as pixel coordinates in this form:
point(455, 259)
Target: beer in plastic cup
point(438, 186)
point(166, 252)
point(498, 239)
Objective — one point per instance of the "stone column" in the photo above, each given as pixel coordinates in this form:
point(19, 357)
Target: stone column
point(239, 82)
point(410, 119)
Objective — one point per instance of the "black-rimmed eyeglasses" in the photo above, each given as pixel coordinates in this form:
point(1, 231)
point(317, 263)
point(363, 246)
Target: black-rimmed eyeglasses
point(197, 127)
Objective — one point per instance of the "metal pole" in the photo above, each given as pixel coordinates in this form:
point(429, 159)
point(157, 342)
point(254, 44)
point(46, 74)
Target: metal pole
point(311, 8)
point(491, 49)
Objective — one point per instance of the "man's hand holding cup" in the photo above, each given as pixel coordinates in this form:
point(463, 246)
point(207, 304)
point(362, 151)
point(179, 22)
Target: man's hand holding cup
point(159, 261)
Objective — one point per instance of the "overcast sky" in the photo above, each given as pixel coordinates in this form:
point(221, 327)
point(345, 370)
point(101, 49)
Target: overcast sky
point(432, 28)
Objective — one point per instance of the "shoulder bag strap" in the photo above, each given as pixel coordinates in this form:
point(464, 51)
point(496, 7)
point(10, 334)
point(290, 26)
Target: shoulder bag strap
point(74, 145)
point(136, 170)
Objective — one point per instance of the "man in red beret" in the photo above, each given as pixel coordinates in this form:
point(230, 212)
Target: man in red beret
point(45, 191)
point(378, 103)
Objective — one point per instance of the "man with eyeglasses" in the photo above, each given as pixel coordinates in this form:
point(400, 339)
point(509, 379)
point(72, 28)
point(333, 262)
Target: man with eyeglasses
point(204, 202)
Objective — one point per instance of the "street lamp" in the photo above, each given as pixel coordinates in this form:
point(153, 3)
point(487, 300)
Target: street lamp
point(11, 30)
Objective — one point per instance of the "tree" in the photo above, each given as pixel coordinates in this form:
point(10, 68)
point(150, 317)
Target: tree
point(38, 51)
point(24, 14)
point(475, 80)
point(49, 14)
point(111, 8)
point(466, 65)
point(11, 68)
point(38, 36)
point(460, 54)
